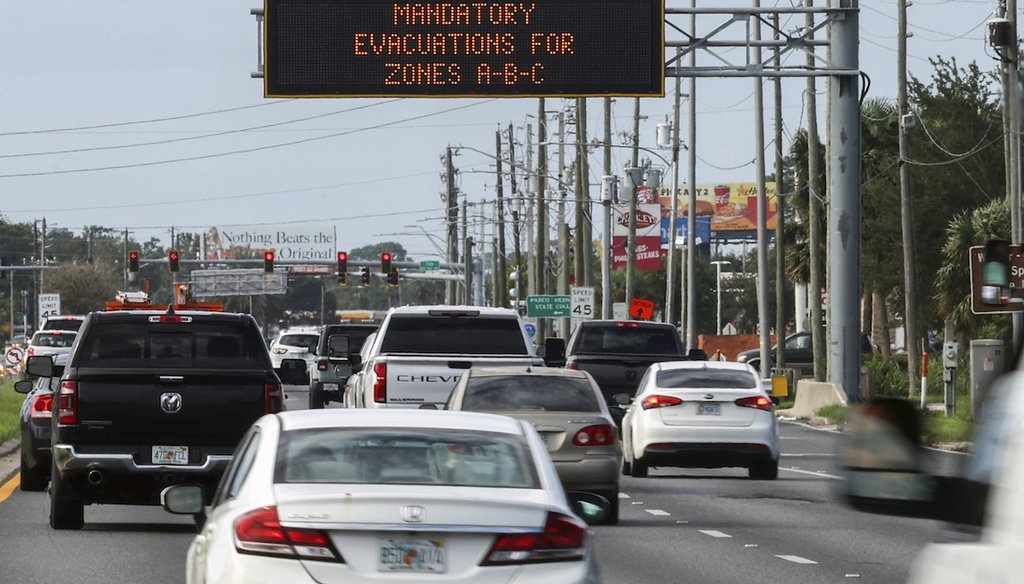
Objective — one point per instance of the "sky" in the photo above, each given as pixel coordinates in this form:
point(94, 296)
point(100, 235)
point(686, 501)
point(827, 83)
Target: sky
point(83, 83)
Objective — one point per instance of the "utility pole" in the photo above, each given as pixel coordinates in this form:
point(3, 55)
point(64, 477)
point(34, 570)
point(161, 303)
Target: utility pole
point(584, 164)
point(531, 186)
point(451, 202)
point(906, 206)
point(542, 211)
point(563, 229)
point(466, 292)
point(670, 276)
point(633, 179)
point(780, 210)
point(1011, 99)
point(762, 204)
point(689, 282)
point(42, 256)
point(814, 200)
point(501, 276)
point(467, 256)
point(606, 202)
point(517, 207)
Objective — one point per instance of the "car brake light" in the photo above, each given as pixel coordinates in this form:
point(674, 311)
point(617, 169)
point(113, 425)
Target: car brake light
point(563, 540)
point(659, 401)
point(273, 397)
point(41, 405)
point(572, 364)
point(30, 351)
point(380, 385)
point(600, 435)
point(321, 365)
point(56, 333)
point(759, 402)
point(628, 324)
point(259, 532)
point(279, 351)
point(67, 403)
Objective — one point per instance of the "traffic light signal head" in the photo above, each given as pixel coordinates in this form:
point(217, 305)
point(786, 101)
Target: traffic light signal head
point(268, 262)
point(385, 262)
point(133, 262)
point(393, 277)
point(172, 261)
point(366, 276)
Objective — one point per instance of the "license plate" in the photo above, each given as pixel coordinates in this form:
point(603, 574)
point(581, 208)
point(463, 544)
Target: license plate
point(330, 387)
point(709, 410)
point(170, 455)
point(412, 555)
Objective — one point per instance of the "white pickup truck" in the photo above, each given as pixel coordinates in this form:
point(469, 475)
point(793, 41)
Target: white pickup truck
point(420, 352)
point(886, 472)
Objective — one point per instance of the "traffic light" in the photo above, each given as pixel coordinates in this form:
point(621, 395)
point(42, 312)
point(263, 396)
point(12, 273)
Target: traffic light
point(133, 262)
point(268, 262)
point(343, 267)
point(393, 277)
point(366, 276)
point(385, 262)
point(172, 261)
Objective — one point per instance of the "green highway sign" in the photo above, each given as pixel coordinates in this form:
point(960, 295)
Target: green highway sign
point(430, 266)
point(549, 306)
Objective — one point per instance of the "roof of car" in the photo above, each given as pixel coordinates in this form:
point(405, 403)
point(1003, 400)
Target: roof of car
point(729, 365)
point(534, 371)
point(397, 418)
point(481, 310)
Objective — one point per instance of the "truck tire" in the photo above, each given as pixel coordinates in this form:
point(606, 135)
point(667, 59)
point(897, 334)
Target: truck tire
point(32, 479)
point(638, 469)
point(613, 513)
point(316, 400)
point(66, 512)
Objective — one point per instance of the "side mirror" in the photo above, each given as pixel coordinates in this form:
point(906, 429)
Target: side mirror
point(554, 352)
point(623, 399)
point(40, 366)
point(995, 273)
point(23, 386)
point(185, 500)
point(338, 347)
point(589, 507)
point(293, 372)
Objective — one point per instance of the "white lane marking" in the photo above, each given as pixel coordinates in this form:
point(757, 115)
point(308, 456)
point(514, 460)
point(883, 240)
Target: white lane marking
point(796, 559)
point(682, 522)
point(852, 576)
point(714, 533)
point(658, 512)
point(750, 545)
point(820, 473)
point(623, 496)
point(636, 502)
point(807, 454)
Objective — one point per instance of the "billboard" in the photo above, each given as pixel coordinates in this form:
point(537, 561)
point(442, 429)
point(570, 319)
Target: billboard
point(292, 243)
point(730, 207)
point(647, 255)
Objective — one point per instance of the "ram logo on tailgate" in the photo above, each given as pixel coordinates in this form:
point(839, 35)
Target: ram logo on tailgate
point(170, 402)
point(428, 378)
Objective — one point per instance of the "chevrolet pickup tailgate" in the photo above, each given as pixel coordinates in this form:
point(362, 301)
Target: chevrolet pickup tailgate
point(134, 406)
point(414, 380)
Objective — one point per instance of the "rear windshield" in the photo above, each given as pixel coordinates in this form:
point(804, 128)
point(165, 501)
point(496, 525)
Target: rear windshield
point(529, 393)
point(356, 338)
point(216, 345)
point(443, 334)
point(405, 456)
point(62, 324)
point(307, 341)
point(706, 379)
point(52, 339)
point(623, 338)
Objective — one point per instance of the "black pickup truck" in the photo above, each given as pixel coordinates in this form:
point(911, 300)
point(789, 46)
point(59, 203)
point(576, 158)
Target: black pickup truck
point(617, 353)
point(149, 399)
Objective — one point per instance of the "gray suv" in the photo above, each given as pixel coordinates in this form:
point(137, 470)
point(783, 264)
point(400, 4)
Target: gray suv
point(328, 374)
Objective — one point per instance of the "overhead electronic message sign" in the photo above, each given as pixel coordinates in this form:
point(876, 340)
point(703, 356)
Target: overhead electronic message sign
point(523, 48)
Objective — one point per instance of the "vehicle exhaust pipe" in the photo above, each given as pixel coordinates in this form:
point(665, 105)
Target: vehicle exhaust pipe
point(95, 477)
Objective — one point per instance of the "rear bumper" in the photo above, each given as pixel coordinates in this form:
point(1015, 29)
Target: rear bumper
point(593, 473)
point(707, 455)
point(118, 478)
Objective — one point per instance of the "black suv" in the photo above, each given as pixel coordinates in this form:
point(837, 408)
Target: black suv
point(149, 399)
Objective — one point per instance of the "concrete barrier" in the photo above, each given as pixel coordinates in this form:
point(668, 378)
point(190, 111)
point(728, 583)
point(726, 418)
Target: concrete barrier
point(812, 396)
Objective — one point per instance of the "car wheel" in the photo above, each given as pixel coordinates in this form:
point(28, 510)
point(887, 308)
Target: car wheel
point(32, 479)
point(65, 512)
point(613, 512)
point(638, 469)
point(626, 467)
point(767, 470)
point(316, 401)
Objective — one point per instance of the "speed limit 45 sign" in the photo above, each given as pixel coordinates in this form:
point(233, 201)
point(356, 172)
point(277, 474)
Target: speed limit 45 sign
point(582, 302)
point(49, 305)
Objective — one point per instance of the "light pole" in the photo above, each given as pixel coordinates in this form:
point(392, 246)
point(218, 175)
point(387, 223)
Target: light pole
point(718, 278)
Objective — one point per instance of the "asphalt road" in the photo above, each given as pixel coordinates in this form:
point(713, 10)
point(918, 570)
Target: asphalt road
point(707, 526)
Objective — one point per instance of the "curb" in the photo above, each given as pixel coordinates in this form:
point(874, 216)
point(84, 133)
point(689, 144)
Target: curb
point(6, 449)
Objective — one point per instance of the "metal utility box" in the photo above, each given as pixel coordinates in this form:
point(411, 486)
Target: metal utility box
point(988, 361)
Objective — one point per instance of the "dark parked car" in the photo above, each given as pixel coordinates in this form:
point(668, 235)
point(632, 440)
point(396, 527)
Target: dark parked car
point(35, 419)
point(799, 352)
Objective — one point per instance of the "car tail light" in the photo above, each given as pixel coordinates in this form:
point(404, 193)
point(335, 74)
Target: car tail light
point(380, 384)
point(41, 405)
point(563, 540)
point(67, 403)
point(259, 532)
point(279, 351)
point(30, 351)
point(321, 365)
point(759, 402)
point(273, 397)
point(659, 401)
point(600, 435)
point(572, 364)
point(628, 324)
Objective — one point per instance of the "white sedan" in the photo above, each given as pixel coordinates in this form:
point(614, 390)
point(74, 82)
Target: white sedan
point(322, 496)
point(701, 414)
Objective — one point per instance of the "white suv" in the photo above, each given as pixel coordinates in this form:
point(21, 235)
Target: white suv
point(294, 343)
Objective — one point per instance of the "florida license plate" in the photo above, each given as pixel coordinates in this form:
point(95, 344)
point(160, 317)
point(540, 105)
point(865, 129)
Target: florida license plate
point(709, 410)
point(412, 555)
point(170, 455)
point(330, 387)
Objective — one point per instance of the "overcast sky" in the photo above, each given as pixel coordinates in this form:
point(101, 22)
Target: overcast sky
point(105, 65)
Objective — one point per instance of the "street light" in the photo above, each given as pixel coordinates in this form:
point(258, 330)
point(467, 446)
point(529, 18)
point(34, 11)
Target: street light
point(718, 276)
